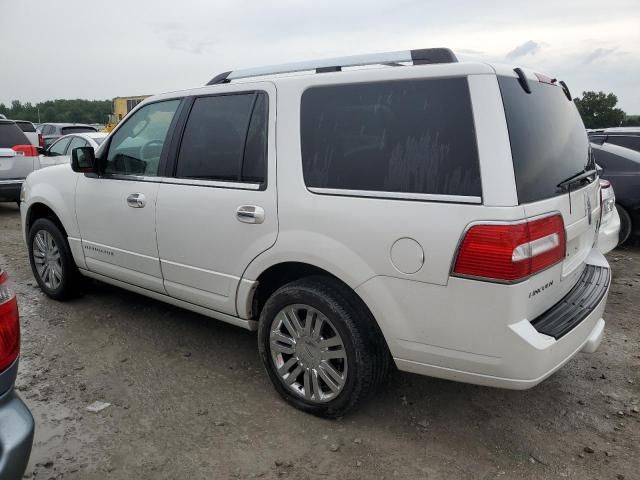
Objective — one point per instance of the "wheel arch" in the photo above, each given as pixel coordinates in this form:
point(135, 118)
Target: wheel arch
point(38, 210)
point(64, 218)
point(278, 274)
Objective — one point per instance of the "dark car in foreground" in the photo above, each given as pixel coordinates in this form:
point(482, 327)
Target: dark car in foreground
point(16, 422)
point(52, 131)
point(617, 152)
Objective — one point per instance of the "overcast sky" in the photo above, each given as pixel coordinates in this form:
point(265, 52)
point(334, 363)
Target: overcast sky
point(102, 49)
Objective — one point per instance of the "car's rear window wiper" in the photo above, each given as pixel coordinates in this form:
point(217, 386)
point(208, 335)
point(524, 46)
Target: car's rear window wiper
point(587, 172)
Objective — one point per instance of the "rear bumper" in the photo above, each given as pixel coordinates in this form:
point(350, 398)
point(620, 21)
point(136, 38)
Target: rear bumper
point(476, 332)
point(551, 359)
point(10, 190)
point(16, 436)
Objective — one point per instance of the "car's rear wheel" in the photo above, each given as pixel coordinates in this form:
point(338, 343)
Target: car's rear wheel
point(625, 224)
point(51, 260)
point(320, 346)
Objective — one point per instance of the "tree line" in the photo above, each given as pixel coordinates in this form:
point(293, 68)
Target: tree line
point(72, 111)
point(598, 110)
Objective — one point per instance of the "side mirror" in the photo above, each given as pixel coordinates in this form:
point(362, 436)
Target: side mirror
point(42, 151)
point(83, 160)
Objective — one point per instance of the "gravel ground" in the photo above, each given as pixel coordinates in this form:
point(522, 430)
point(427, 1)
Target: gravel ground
point(189, 399)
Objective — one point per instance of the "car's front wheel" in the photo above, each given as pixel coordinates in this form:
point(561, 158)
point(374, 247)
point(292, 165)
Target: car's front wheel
point(320, 346)
point(51, 261)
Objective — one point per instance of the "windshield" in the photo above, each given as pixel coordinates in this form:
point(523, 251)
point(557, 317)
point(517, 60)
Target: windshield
point(548, 140)
point(98, 140)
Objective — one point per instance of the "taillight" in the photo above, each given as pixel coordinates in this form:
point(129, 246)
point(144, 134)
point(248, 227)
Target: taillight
point(9, 324)
point(513, 251)
point(607, 199)
point(25, 150)
point(40, 140)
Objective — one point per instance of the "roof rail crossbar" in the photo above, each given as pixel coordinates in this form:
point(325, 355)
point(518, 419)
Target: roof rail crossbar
point(417, 57)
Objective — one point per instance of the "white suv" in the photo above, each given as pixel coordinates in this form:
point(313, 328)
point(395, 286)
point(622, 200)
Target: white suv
point(433, 215)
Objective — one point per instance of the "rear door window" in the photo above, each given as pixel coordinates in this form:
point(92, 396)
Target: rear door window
point(408, 136)
point(548, 140)
point(11, 135)
point(631, 142)
point(225, 139)
point(77, 142)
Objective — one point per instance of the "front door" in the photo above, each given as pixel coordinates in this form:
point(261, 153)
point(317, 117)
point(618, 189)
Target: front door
point(219, 212)
point(116, 210)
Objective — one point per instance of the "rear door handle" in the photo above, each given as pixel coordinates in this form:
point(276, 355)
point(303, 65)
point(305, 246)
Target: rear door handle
point(250, 214)
point(136, 200)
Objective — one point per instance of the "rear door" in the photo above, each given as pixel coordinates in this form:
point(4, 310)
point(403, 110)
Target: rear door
point(220, 211)
point(549, 145)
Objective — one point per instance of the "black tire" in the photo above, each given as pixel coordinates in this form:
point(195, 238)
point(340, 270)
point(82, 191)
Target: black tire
point(625, 225)
point(68, 284)
point(367, 355)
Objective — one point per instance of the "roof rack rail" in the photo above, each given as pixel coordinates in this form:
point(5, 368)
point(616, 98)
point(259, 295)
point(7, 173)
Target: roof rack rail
point(417, 57)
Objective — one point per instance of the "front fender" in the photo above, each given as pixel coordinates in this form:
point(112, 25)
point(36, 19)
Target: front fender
point(54, 188)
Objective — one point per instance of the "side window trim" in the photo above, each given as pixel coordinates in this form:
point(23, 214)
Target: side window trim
point(178, 134)
point(246, 135)
point(162, 166)
point(429, 197)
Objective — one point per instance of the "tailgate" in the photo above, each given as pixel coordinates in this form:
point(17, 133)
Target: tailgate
point(554, 173)
point(14, 166)
point(580, 211)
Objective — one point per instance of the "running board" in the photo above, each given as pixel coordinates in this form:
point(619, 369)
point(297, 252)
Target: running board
point(250, 325)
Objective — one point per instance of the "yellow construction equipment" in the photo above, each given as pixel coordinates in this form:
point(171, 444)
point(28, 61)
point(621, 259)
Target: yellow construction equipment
point(122, 106)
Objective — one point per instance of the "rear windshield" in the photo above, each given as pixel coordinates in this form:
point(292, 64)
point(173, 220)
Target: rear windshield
point(11, 135)
point(406, 136)
point(26, 126)
point(68, 130)
point(548, 139)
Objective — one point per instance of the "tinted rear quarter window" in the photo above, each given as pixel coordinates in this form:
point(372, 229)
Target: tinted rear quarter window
point(11, 135)
point(408, 136)
point(548, 140)
point(68, 130)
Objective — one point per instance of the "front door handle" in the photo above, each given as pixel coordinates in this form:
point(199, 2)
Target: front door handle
point(136, 200)
point(250, 214)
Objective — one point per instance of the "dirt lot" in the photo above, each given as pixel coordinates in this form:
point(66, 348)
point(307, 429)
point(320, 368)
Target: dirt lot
point(190, 400)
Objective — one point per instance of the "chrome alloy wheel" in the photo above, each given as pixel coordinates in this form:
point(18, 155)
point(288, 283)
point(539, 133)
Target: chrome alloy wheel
point(46, 257)
point(308, 353)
